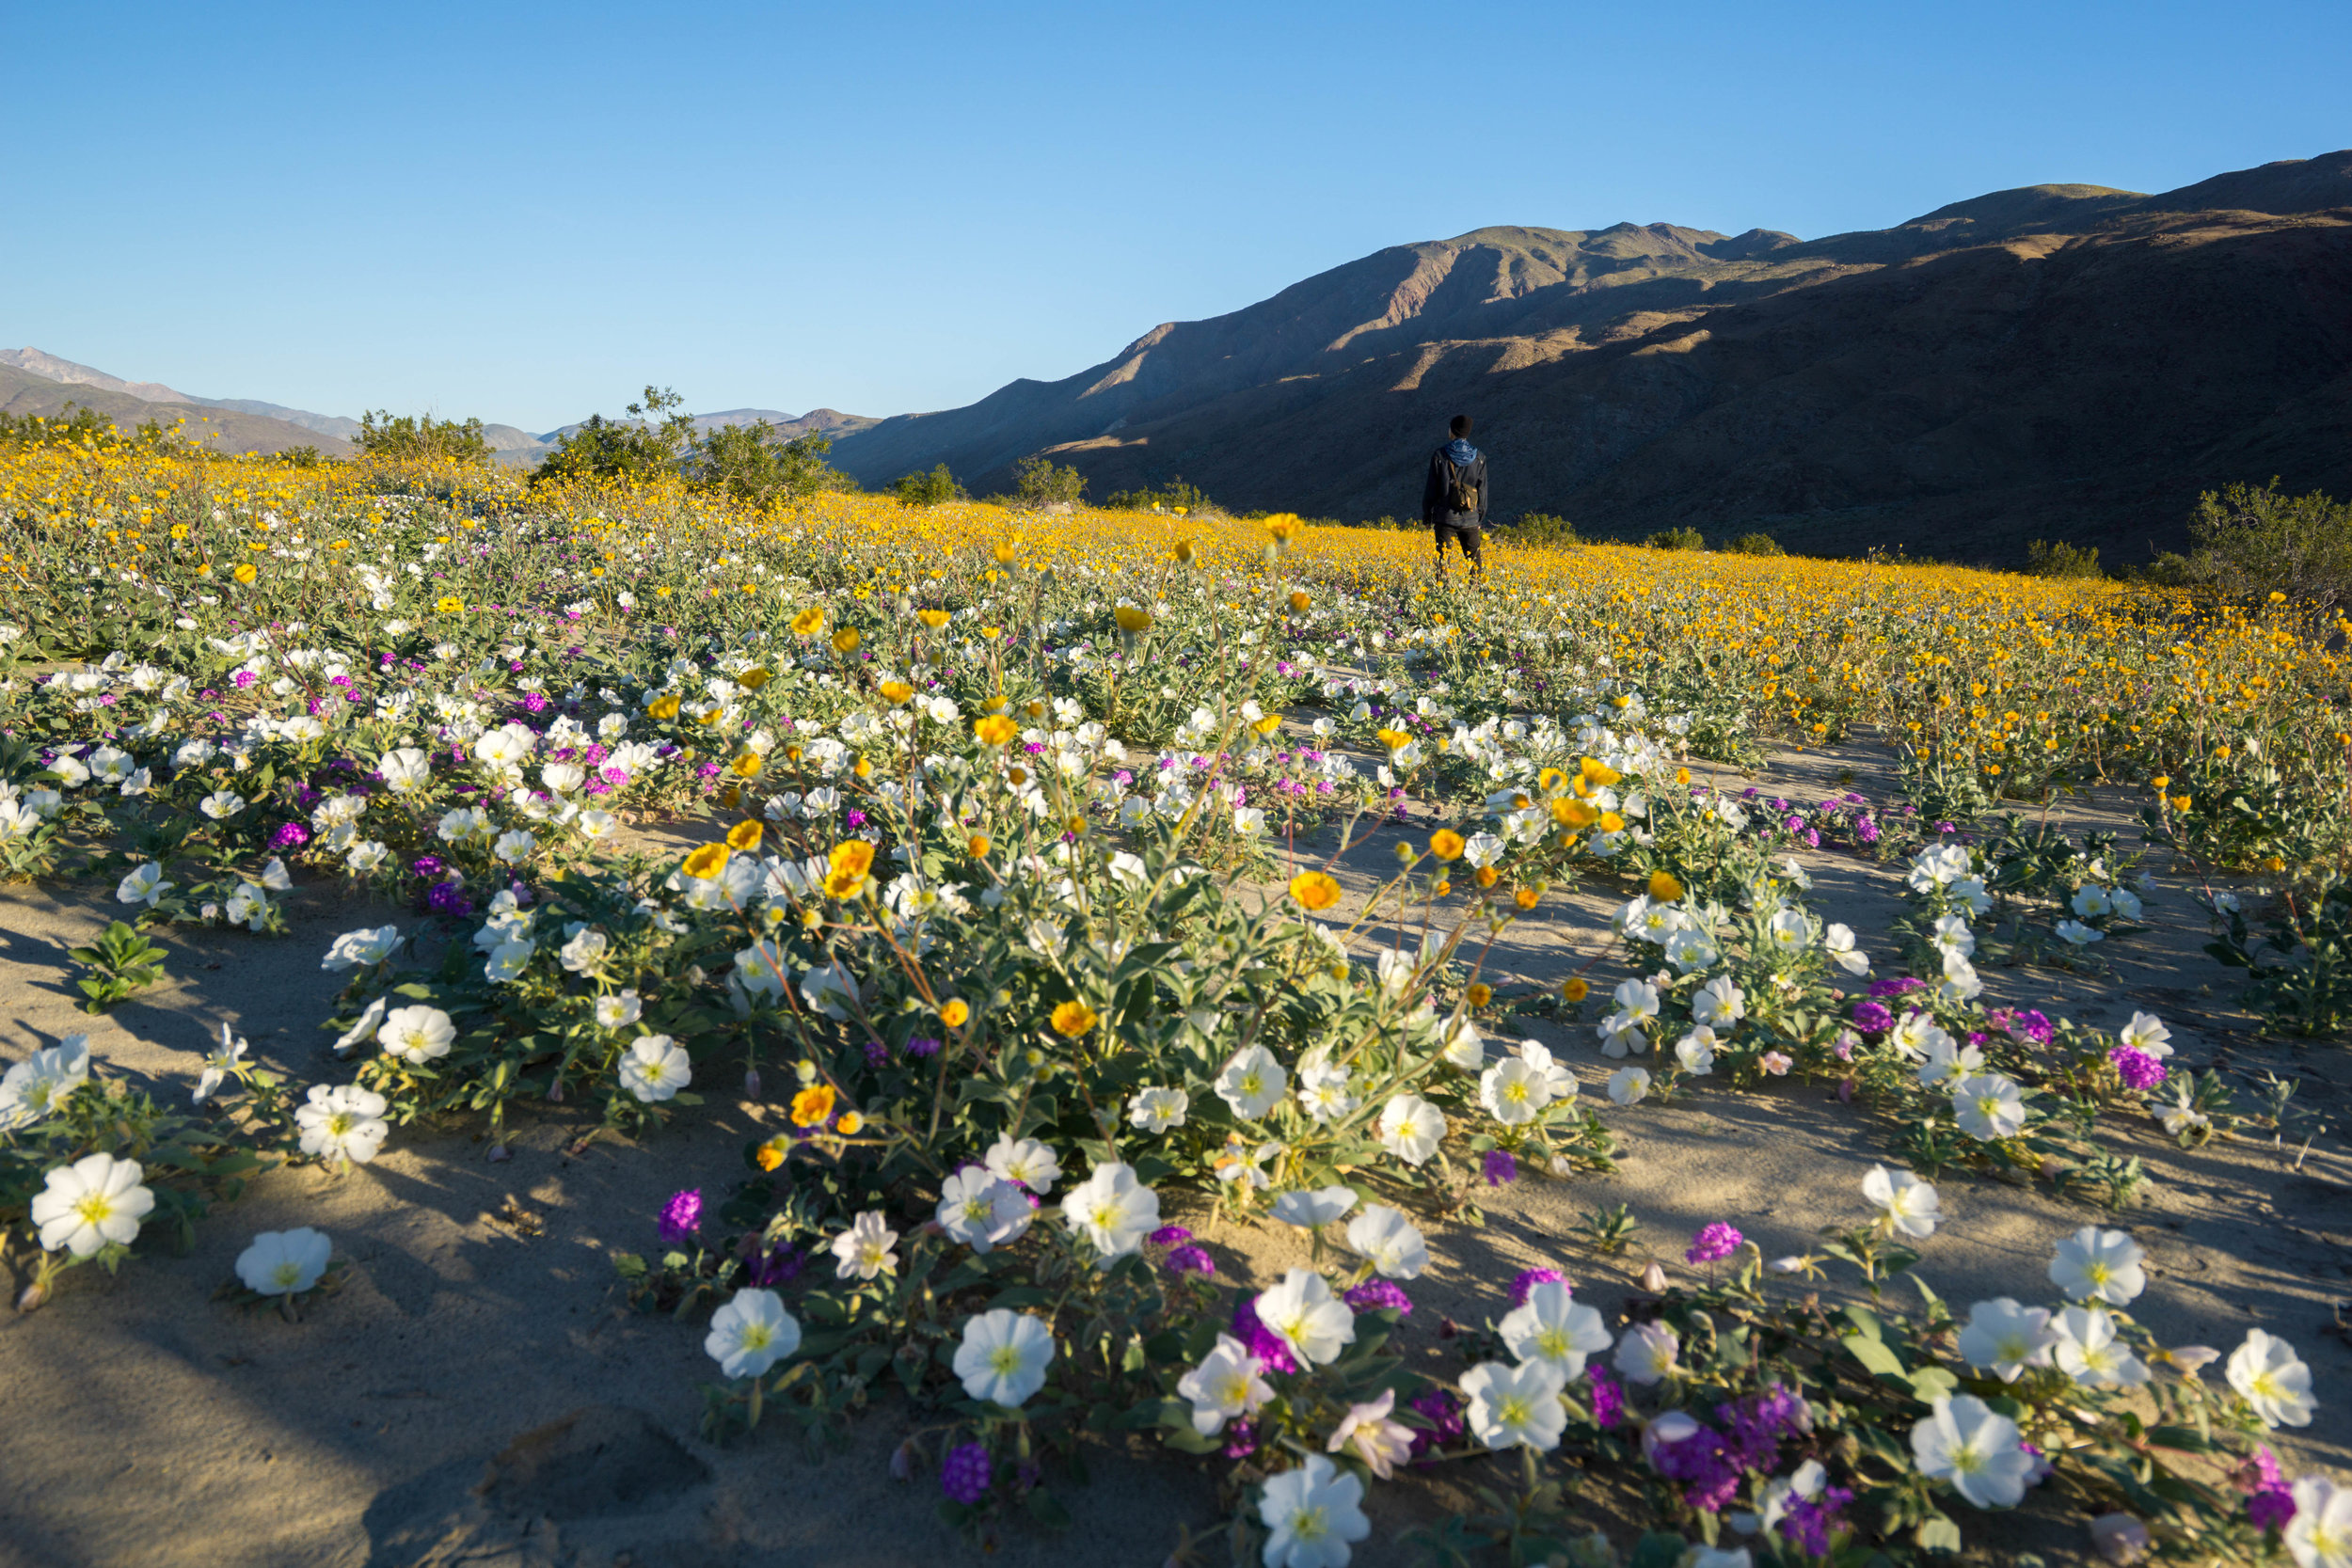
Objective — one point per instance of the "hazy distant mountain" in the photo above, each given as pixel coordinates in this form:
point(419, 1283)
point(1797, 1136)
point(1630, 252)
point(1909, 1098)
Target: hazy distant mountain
point(327, 424)
point(2056, 362)
point(224, 429)
point(51, 368)
point(831, 421)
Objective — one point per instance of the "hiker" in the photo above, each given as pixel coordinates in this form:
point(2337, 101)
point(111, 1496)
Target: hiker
point(1454, 502)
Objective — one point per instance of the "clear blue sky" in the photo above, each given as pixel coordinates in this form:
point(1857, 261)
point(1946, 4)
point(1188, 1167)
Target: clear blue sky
point(524, 211)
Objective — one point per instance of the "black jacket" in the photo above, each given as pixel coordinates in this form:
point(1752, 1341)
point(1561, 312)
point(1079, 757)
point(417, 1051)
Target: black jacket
point(1442, 462)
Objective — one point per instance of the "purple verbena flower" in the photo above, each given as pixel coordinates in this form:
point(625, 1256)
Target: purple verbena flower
point(1169, 1235)
point(1191, 1259)
point(965, 1475)
point(1499, 1167)
point(1262, 1343)
point(1717, 1241)
point(1375, 1294)
point(2138, 1069)
point(1529, 1278)
point(1873, 1017)
point(682, 1215)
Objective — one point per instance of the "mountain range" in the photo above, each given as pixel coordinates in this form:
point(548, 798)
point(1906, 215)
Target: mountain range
point(2056, 362)
point(33, 381)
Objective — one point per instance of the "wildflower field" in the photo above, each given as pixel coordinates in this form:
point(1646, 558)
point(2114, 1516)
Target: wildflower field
point(1021, 999)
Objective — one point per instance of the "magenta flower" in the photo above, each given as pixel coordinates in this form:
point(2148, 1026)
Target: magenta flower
point(965, 1475)
point(682, 1215)
point(1716, 1242)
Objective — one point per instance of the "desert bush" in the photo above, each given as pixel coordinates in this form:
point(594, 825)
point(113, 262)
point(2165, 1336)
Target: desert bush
point(1675, 539)
point(2061, 559)
point(1042, 484)
point(2254, 543)
point(420, 436)
point(1755, 544)
point(753, 463)
point(1175, 496)
point(935, 488)
point(1545, 530)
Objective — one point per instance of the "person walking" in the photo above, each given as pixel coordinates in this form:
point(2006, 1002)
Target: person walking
point(1454, 501)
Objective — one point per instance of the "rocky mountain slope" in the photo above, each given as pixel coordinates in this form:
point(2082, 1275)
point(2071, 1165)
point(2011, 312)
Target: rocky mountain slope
point(226, 429)
point(2059, 362)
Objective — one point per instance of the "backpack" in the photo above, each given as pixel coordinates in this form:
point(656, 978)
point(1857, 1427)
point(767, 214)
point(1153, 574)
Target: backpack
point(1460, 494)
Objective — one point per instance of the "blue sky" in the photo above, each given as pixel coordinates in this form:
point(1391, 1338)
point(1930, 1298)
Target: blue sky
point(525, 211)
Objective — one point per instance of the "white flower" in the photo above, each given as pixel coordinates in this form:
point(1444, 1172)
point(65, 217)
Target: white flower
point(1226, 1385)
point(1695, 1051)
point(1303, 1314)
point(1719, 1004)
point(361, 948)
point(1980, 1453)
point(2005, 1338)
point(2091, 901)
point(982, 1210)
point(1253, 1082)
point(221, 804)
point(1157, 1110)
point(1313, 1513)
point(366, 855)
point(1838, 942)
point(1410, 1128)
point(1004, 1357)
point(750, 1333)
point(1113, 1210)
point(832, 991)
point(342, 1122)
point(275, 876)
point(1629, 1084)
point(1949, 1060)
point(2269, 1376)
point(2320, 1534)
point(656, 1068)
point(1024, 1160)
point(1910, 1205)
point(284, 1263)
point(1691, 950)
point(1637, 1002)
point(1951, 934)
point(1382, 1444)
point(144, 885)
point(417, 1034)
point(1917, 1035)
point(2147, 1033)
point(1311, 1211)
point(1647, 1352)
point(94, 1201)
point(1518, 1406)
point(1513, 1092)
point(1989, 1106)
point(507, 960)
point(1389, 1241)
point(585, 952)
point(404, 770)
point(2099, 1265)
point(1937, 866)
point(1550, 1327)
point(2086, 1351)
point(1789, 930)
point(619, 1011)
point(247, 907)
point(514, 845)
point(219, 1064)
point(365, 1028)
point(2074, 931)
point(864, 1249)
point(37, 1085)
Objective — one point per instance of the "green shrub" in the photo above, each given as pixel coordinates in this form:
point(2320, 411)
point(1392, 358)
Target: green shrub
point(69, 426)
point(2061, 559)
point(754, 463)
point(1172, 496)
point(1042, 484)
point(2254, 543)
point(415, 435)
point(1546, 530)
point(928, 489)
point(1675, 539)
point(1755, 544)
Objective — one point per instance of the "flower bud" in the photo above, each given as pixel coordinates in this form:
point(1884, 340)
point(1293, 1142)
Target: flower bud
point(1653, 1278)
point(34, 1296)
point(751, 1083)
point(2121, 1538)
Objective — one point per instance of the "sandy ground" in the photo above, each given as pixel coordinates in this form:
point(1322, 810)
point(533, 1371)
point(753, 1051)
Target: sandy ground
point(152, 1425)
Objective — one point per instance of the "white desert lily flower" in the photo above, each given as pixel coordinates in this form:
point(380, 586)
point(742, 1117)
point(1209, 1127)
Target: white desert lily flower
point(1003, 1357)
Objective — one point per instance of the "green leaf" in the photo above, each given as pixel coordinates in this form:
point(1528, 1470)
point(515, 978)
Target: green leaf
point(1939, 1534)
point(1872, 1352)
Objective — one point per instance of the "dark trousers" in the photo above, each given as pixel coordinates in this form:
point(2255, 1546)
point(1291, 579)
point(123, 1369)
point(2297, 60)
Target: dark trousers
point(1466, 536)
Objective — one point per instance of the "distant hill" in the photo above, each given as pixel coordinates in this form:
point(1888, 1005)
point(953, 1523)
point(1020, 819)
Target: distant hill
point(2059, 362)
point(832, 421)
point(51, 368)
point(223, 429)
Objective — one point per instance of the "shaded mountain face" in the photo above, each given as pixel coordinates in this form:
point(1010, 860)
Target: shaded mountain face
point(2061, 361)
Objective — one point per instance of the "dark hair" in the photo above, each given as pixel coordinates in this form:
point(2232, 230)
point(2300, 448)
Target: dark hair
point(1461, 425)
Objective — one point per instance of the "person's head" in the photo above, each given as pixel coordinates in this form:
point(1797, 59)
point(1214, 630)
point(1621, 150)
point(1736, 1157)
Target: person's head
point(1461, 425)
